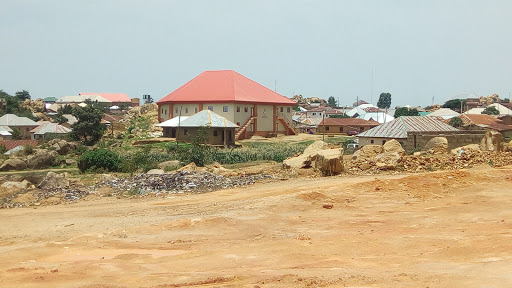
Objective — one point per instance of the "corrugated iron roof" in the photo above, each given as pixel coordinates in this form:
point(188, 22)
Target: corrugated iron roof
point(9, 144)
point(223, 87)
point(348, 122)
point(444, 112)
point(82, 98)
point(173, 122)
point(50, 127)
point(13, 121)
point(399, 127)
point(113, 97)
point(484, 120)
point(207, 118)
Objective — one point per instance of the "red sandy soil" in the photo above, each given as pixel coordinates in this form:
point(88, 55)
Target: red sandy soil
point(443, 229)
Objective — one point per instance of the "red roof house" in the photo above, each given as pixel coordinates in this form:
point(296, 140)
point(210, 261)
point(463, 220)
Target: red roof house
point(253, 107)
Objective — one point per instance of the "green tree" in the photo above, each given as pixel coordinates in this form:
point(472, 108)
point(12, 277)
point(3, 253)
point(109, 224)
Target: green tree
point(16, 134)
point(491, 110)
point(384, 101)
point(60, 119)
point(23, 95)
point(456, 122)
point(455, 104)
point(124, 106)
point(88, 127)
point(331, 101)
point(506, 100)
point(199, 152)
point(66, 109)
point(404, 111)
point(296, 108)
point(339, 116)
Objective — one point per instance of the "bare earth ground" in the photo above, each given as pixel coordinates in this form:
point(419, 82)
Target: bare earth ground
point(444, 229)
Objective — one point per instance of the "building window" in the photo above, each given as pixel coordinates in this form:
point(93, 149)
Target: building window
point(383, 142)
point(237, 108)
point(371, 141)
point(195, 110)
point(238, 123)
point(186, 110)
point(326, 128)
point(215, 133)
point(314, 113)
point(185, 131)
point(246, 109)
point(225, 108)
point(282, 109)
point(288, 109)
point(176, 110)
point(341, 129)
point(361, 129)
point(210, 108)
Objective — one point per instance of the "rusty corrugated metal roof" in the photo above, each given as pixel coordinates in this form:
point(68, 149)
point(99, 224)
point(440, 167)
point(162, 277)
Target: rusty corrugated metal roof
point(399, 127)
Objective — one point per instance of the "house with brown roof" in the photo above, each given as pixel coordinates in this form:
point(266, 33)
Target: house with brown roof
point(256, 109)
point(487, 122)
point(345, 125)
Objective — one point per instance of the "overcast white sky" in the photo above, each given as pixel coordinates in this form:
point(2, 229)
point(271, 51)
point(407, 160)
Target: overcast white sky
point(417, 49)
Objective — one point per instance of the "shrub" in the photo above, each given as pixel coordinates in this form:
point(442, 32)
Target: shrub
point(3, 149)
point(28, 150)
point(100, 159)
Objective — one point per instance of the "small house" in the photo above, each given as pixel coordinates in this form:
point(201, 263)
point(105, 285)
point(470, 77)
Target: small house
point(345, 125)
point(220, 131)
point(49, 130)
point(22, 124)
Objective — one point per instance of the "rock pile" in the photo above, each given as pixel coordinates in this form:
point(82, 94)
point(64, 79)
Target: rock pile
point(39, 159)
point(62, 147)
point(319, 155)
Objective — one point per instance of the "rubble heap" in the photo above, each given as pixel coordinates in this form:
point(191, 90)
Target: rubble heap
point(180, 182)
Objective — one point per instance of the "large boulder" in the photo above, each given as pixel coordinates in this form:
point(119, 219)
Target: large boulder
point(492, 141)
point(367, 152)
point(17, 185)
point(41, 159)
point(507, 147)
point(387, 160)
point(466, 148)
point(306, 159)
point(330, 161)
point(13, 164)
point(62, 147)
point(393, 146)
point(54, 180)
point(437, 145)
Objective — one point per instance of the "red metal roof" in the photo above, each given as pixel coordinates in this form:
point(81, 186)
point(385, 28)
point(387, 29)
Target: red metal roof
point(9, 144)
point(114, 97)
point(348, 122)
point(224, 86)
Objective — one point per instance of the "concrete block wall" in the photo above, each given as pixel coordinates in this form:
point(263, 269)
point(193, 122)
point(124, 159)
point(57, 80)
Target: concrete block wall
point(455, 139)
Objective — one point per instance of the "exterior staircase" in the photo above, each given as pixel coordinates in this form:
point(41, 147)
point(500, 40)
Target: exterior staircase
point(241, 133)
point(290, 130)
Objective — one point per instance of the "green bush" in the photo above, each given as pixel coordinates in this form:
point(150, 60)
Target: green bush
point(100, 159)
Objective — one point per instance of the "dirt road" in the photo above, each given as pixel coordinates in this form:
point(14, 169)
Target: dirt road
point(445, 229)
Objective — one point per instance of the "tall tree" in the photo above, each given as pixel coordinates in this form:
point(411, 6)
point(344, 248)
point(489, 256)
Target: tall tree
point(88, 128)
point(404, 111)
point(384, 101)
point(455, 104)
point(491, 110)
point(23, 95)
point(331, 101)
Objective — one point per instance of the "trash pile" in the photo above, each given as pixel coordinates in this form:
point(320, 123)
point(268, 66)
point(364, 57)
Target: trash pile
point(180, 182)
